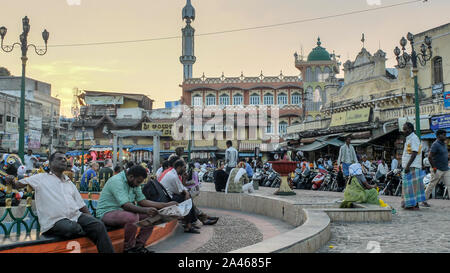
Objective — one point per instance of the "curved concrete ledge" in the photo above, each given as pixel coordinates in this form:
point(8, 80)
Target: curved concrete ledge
point(312, 221)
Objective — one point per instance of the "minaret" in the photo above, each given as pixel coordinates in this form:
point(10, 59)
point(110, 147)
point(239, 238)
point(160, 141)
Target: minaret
point(188, 59)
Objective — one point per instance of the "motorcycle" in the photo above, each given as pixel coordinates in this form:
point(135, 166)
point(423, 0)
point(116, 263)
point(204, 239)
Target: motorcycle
point(305, 181)
point(258, 177)
point(273, 179)
point(392, 183)
point(319, 179)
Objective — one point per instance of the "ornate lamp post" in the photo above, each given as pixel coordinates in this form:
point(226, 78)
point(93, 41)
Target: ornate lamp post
point(24, 47)
point(83, 111)
point(403, 58)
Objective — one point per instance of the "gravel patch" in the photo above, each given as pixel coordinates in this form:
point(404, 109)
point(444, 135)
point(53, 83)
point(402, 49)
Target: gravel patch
point(231, 233)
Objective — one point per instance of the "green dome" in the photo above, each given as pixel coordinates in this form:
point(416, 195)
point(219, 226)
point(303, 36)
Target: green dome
point(319, 53)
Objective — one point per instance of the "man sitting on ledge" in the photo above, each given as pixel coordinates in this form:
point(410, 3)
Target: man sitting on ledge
point(60, 209)
point(117, 207)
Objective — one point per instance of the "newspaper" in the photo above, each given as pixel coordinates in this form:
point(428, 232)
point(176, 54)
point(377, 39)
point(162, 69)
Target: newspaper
point(167, 214)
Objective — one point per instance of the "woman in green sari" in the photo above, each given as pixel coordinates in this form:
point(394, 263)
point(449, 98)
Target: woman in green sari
point(358, 189)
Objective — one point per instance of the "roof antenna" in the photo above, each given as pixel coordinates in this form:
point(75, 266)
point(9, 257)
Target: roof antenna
point(363, 40)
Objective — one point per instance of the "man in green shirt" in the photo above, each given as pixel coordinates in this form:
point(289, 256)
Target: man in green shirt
point(122, 204)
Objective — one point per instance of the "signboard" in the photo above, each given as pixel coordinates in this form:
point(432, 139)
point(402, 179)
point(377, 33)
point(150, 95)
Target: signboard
point(437, 88)
point(338, 119)
point(350, 117)
point(441, 122)
point(424, 122)
point(11, 127)
point(317, 124)
point(33, 139)
point(171, 104)
point(35, 123)
point(165, 128)
point(104, 100)
point(10, 141)
point(357, 116)
point(88, 134)
point(447, 100)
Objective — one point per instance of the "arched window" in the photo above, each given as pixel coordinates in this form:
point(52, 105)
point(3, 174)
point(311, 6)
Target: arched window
point(317, 74)
point(309, 99)
point(197, 100)
point(296, 98)
point(210, 100)
point(309, 75)
point(255, 99)
point(238, 99)
point(326, 74)
point(282, 127)
point(268, 99)
point(269, 128)
point(224, 99)
point(437, 70)
point(282, 99)
point(317, 98)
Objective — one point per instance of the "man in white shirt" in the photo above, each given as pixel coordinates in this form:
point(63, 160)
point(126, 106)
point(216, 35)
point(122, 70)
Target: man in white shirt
point(394, 163)
point(413, 190)
point(367, 166)
point(61, 210)
point(29, 160)
point(382, 170)
point(231, 157)
point(179, 193)
point(347, 156)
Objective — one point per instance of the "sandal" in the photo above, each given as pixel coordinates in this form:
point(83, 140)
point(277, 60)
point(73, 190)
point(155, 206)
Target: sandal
point(191, 230)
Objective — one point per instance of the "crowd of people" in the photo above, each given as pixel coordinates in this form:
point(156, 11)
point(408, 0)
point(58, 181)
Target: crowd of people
point(124, 201)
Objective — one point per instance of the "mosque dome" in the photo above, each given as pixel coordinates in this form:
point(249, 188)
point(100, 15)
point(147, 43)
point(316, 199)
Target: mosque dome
point(319, 53)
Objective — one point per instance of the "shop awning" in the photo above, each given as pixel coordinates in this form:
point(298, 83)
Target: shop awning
point(320, 143)
point(76, 153)
point(203, 149)
point(103, 148)
point(148, 149)
point(249, 154)
point(313, 146)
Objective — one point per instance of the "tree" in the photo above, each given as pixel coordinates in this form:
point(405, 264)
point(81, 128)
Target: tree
point(4, 71)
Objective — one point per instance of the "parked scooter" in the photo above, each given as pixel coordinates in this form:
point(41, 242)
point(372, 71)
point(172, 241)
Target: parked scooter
point(258, 176)
point(273, 179)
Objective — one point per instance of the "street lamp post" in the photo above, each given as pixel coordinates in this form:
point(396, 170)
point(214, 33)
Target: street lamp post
point(403, 58)
point(83, 117)
point(24, 47)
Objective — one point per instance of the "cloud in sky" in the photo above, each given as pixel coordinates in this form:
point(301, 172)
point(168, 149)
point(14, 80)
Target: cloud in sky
point(73, 2)
point(373, 2)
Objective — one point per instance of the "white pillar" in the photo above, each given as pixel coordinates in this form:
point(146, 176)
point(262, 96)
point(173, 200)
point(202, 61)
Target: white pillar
point(114, 155)
point(120, 149)
point(155, 153)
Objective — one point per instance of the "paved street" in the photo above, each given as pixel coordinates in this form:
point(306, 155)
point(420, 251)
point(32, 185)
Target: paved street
point(426, 230)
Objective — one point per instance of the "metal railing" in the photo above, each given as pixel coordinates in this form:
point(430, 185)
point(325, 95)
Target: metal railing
point(29, 218)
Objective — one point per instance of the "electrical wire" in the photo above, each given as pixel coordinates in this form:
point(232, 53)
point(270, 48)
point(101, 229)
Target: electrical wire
point(241, 29)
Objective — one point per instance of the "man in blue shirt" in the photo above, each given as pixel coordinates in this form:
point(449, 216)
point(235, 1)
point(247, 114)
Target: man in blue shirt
point(438, 157)
point(88, 175)
point(249, 169)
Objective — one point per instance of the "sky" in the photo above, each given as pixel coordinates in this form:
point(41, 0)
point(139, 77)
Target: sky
point(153, 68)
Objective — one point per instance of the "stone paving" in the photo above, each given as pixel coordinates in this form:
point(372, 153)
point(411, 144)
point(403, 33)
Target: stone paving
point(426, 230)
point(234, 230)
